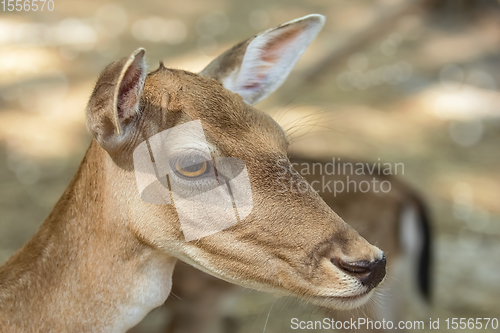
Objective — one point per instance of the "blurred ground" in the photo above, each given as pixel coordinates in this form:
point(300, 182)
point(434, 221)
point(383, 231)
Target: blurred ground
point(424, 94)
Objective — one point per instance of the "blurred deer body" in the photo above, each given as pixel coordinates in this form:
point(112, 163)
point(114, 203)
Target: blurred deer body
point(105, 255)
point(397, 222)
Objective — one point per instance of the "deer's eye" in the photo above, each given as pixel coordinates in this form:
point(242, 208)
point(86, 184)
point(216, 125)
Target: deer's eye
point(191, 166)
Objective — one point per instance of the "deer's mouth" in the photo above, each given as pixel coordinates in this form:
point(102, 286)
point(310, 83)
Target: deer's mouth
point(347, 302)
point(340, 302)
point(341, 286)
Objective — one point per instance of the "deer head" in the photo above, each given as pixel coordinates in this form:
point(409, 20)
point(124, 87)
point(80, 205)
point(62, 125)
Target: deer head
point(189, 135)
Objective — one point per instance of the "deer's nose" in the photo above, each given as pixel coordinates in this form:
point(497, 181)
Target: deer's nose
point(369, 273)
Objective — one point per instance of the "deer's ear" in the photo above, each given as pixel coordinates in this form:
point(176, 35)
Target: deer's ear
point(113, 108)
point(258, 66)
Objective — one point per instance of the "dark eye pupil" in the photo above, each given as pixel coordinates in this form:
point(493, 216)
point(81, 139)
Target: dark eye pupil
point(192, 167)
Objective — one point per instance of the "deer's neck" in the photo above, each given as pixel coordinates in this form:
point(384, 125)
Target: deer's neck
point(83, 271)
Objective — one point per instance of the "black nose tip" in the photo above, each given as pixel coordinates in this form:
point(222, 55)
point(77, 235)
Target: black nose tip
point(369, 273)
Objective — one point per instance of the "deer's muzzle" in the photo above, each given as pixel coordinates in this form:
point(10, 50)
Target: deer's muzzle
point(369, 273)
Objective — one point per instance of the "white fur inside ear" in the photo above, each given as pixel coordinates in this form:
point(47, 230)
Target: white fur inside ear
point(129, 87)
point(270, 57)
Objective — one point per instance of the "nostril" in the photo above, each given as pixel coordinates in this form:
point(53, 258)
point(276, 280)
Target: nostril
point(354, 268)
point(369, 273)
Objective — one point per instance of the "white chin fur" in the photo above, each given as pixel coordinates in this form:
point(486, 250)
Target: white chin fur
point(343, 303)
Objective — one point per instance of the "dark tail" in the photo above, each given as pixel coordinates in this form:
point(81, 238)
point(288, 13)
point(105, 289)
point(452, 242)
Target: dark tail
point(423, 252)
point(416, 242)
point(425, 260)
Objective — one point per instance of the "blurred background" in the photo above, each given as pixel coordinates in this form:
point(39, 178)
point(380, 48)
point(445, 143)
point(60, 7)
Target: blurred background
point(406, 81)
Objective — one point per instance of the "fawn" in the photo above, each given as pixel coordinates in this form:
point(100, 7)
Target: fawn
point(105, 255)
